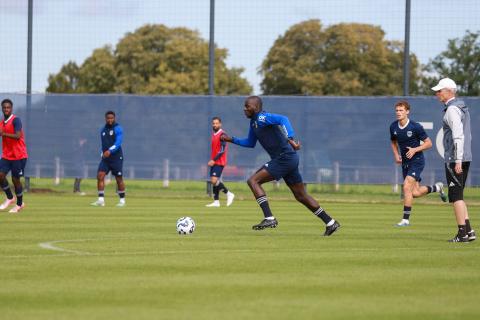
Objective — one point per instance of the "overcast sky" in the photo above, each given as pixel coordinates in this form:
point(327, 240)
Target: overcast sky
point(69, 30)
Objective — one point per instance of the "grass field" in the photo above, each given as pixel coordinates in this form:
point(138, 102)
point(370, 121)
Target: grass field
point(62, 259)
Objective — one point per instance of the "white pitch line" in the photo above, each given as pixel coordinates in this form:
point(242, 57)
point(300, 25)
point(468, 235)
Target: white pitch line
point(50, 245)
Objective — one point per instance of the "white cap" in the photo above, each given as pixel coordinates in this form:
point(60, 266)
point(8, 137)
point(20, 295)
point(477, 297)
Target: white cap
point(445, 83)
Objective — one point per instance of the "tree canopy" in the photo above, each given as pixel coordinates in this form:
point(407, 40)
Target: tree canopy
point(154, 59)
point(343, 59)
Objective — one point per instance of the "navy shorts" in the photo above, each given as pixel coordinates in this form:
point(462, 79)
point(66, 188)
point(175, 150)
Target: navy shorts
point(114, 165)
point(286, 167)
point(216, 171)
point(17, 167)
point(413, 169)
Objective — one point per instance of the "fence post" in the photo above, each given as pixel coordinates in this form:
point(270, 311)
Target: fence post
point(336, 175)
point(395, 182)
point(166, 173)
point(56, 181)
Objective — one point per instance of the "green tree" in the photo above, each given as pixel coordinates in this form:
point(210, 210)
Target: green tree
point(66, 81)
point(343, 59)
point(156, 59)
point(460, 61)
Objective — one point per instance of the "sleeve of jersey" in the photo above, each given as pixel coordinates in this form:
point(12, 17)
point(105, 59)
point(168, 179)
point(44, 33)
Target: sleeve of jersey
point(392, 136)
point(249, 142)
point(278, 119)
point(222, 151)
point(17, 124)
point(422, 135)
point(118, 139)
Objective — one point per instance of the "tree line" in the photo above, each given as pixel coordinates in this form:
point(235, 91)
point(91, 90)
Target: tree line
point(308, 59)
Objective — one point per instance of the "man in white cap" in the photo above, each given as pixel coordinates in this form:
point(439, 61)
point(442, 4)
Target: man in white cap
point(457, 142)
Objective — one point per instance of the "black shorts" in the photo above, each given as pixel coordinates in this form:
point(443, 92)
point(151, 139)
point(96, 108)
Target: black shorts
point(114, 165)
point(216, 171)
point(413, 169)
point(456, 182)
point(17, 167)
point(286, 167)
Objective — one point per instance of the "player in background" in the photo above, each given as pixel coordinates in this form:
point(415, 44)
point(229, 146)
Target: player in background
point(111, 136)
point(407, 136)
point(14, 156)
point(276, 135)
point(217, 162)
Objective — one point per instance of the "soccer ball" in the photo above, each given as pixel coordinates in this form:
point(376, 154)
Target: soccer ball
point(185, 225)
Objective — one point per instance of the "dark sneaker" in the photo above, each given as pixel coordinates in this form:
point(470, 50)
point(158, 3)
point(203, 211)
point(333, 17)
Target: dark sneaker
point(457, 238)
point(266, 223)
point(441, 192)
point(471, 235)
point(331, 229)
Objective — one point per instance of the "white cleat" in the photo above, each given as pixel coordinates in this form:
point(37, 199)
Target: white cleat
point(7, 203)
point(214, 204)
point(442, 194)
point(403, 223)
point(17, 208)
point(98, 203)
point(230, 197)
point(121, 204)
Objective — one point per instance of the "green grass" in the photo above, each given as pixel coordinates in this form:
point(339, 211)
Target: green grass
point(128, 263)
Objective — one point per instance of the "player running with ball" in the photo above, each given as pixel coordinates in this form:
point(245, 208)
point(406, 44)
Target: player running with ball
point(407, 136)
point(275, 134)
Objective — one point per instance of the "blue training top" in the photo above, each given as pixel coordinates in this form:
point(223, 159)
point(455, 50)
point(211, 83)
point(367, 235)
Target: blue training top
point(112, 137)
point(408, 136)
point(272, 131)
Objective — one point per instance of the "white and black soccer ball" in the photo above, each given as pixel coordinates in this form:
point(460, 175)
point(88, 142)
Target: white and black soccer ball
point(185, 225)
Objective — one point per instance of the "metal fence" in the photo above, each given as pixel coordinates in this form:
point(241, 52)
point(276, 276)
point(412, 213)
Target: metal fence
point(345, 140)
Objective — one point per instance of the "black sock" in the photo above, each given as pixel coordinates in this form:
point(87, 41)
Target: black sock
point(322, 214)
point(222, 187)
point(6, 189)
point(263, 203)
point(76, 185)
point(406, 212)
point(462, 231)
point(467, 225)
point(429, 189)
point(121, 194)
point(19, 194)
point(101, 193)
point(216, 191)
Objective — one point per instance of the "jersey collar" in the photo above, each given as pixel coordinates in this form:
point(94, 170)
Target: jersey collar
point(219, 131)
point(8, 119)
point(404, 125)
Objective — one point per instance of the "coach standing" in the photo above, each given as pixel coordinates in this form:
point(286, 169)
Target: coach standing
point(457, 143)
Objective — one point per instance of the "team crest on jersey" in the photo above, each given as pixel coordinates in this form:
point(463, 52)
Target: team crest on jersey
point(103, 133)
point(111, 132)
point(409, 134)
point(262, 118)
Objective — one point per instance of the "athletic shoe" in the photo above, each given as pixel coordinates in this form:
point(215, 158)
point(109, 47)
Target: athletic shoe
point(214, 204)
point(403, 223)
point(459, 239)
point(471, 235)
point(266, 223)
point(121, 204)
point(329, 230)
point(98, 203)
point(7, 203)
point(80, 193)
point(230, 197)
point(17, 208)
point(442, 194)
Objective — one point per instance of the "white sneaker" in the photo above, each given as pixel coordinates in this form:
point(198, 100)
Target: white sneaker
point(121, 204)
point(215, 203)
point(98, 203)
point(7, 203)
point(230, 197)
point(442, 194)
point(17, 208)
point(403, 223)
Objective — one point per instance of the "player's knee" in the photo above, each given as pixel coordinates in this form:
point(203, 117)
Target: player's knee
point(100, 175)
point(252, 182)
point(300, 196)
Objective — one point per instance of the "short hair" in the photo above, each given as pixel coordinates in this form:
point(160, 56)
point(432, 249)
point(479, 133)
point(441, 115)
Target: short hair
point(403, 103)
point(258, 101)
point(217, 118)
point(109, 112)
point(7, 101)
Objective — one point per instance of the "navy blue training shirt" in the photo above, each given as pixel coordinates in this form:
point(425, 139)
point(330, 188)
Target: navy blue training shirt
point(408, 136)
point(272, 131)
point(112, 137)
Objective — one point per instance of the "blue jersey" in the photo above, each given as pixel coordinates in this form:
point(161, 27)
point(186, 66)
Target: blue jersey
point(408, 136)
point(112, 137)
point(272, 131)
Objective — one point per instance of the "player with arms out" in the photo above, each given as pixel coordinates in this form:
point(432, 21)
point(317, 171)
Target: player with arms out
point(217, 162)
point(276, 135)
point(111, 136)
point(14, 156)
point(407, 136)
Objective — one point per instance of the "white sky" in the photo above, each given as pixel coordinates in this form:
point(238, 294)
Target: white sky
point(69, 30)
